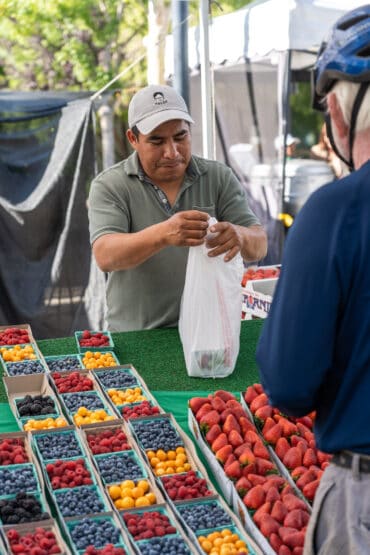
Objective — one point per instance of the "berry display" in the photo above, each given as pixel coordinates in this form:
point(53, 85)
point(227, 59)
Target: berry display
point(114, 468)
point(93, 339)
point(14, 336)
point(25, 368)
point(79, 501)
point(17, 479)
point(158, 433)
point(68, 474)
point(61, 445)
point(23, 507)
point(36, 405)
point(97, 533)
point(146, 408)
point(13, 451)
point(107, 441)
point(63, 363)
point(185, 486)
point(72, 382)
point(120, 379)
point(33, 543)
point(203, 516)
point(148, 524)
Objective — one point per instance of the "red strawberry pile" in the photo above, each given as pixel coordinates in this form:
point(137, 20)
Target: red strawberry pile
point(278, 512)
point(292, 439)
point(185, 486)
point(72, 382)
point(135, 411)
point(149, 524)
point(12, 451)
point(14, 336)
point(39, 542)
point(231, 436)
point(107, 441)
point(93, 339)
point(259, 273)
point(68, 474)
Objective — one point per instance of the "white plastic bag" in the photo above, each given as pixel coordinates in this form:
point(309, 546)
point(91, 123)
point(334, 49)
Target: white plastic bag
point(210, 313)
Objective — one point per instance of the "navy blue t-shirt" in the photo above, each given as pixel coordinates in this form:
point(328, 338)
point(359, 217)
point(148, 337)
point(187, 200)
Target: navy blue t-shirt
point(314, 350)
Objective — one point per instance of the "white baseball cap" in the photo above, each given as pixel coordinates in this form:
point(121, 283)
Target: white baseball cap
point(154, 105)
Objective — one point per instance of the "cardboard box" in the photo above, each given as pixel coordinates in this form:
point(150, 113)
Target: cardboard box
point(25, 529)
point(17, 387)
point(234, 522)
point(26, 327)
point(257, 297)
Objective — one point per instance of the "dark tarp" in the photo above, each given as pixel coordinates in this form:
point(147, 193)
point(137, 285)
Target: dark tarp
point(47, 161)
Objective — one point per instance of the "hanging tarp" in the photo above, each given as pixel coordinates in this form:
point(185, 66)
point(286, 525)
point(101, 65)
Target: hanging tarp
point(47, 161)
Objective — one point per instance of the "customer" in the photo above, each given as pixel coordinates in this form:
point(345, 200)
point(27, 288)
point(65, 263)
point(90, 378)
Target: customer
point(314, 351)
point(148, 209)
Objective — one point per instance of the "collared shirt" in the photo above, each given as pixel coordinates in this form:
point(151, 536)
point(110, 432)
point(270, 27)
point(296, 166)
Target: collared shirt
point(148, 296)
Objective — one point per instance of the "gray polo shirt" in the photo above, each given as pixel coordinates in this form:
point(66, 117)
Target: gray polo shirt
point(149, 295)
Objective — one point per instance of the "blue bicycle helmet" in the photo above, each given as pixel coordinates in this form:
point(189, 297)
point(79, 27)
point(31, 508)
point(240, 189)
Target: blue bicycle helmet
point(346, 54)
point(344, 57)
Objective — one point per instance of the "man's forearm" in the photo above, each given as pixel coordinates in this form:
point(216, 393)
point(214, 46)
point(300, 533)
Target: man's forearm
point(121, 251)
point(254, 242)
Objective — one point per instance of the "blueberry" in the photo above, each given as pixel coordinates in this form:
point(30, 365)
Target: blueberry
point(121, 379)
point(58, 445)
point(63, 363)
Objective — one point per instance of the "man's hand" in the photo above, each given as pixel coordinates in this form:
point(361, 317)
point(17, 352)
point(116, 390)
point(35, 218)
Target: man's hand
point(251, 241)
point(186, 229)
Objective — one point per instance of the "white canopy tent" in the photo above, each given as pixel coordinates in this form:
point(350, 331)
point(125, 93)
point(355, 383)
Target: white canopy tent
point(255, 54)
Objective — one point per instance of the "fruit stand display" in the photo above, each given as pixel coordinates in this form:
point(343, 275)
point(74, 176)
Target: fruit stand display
point(120, 475)
point(258, 285)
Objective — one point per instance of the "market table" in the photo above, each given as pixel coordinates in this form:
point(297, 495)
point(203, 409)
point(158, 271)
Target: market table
point(157, 355)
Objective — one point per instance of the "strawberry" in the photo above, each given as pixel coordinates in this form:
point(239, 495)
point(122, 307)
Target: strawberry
point(208, 420)
point(249, 469)
point(269, 423)
point(251, 437)
point(230, 424)
point(302, 447)
point(260, 401)
point(260, 450)
point(196, 402)
point(235, 439)
point(213, 433)
point(272, 494)
point(295, 439)
point(279, 511)
point(306, 420)
point(219, 442)
point(275, 480)
point(298, 550)
point(298, 471)
point(263, 412)
point(268, 525)
point(295, 539)
point(242, 486)
point(246, 425)
point(224, 414)
point(275, 542)
point(309, 476)
point(223, 453)
point(265, 467)
point(247, 457)
point(204, 409)
point(284, 531)
point(233, 470)
point(282, 447)
point(288, 427)
point(284, 550)
point(258, 387)
point(287, 489)
point(250, 394)
point(292, 458)
point(224, 395)
point(239, 450)
point(322, 457)
point(254, 498)
point(296, 519)
point(256, 479)
point(218, 404)
point(309, 490)
point(291, 502)
point(263, 510)
point(272, 435)
point(231, 458)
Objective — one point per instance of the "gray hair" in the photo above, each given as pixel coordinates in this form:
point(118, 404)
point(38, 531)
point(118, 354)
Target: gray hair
point(346, 93)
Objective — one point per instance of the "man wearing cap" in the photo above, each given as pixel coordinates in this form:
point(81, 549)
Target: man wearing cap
point(146, 211)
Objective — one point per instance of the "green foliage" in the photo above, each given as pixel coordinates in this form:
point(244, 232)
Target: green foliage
point(69, 44)
point(306, 122)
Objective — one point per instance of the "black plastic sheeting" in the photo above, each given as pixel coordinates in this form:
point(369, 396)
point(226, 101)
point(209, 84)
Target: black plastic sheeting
point(47, 161)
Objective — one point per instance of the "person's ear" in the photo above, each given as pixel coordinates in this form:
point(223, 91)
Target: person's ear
point(131, 137)
point(336, 116)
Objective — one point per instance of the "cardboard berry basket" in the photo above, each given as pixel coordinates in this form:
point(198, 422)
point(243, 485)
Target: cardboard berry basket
point(33, 529)
point(129, 457)
point(38, 496)
point(230, 521)
point(225, 484)
point(118, 408)
point(26, 362)
point(57, 495)
point(87, 465)
point(65, 375)
point(68, 433)
point(98, 354)
point(72, 413)
point(21, 437)
point(120, 510)
point(58, 360)
point(82, 349)
point(27, 327)
point(36, 384)
point(115, 426)
point(70, 524)
point(121, 376)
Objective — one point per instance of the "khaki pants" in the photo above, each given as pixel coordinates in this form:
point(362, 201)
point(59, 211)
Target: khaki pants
point(340, 520)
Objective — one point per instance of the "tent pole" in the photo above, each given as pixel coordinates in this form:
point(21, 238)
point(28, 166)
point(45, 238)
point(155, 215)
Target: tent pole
point(207, 94)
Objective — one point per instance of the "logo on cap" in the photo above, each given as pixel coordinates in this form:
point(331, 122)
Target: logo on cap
point(159, 98)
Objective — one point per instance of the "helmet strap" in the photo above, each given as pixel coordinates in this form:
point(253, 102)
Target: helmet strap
point(352, 127)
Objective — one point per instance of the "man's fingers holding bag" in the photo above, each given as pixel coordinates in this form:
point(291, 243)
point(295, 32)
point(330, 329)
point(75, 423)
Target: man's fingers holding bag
point(187, 228)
